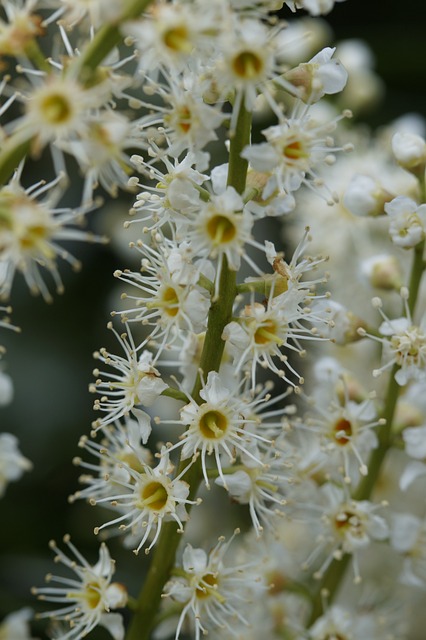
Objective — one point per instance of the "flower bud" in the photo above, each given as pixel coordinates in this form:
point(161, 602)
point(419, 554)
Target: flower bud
point(383, 272)
point(409, 150)
point(365, 196)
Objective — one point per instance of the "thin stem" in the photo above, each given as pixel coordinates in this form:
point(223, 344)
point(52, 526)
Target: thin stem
point(108, 37)
point(14, 149)
point(220, 313)
point(416, 275)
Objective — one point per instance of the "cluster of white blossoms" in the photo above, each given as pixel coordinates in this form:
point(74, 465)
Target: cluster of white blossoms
point(202, 404)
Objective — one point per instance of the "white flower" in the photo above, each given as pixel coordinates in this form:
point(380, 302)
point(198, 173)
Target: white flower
point(406, 347)
point(263, 331)
point(31, 227)
point(383, 271)
point(58, 107)
point(100, 152)
point(320, 76)
point(404, 344)
point(168, 35)
point(293, 152)
point(88, 598)
point(261, 486)
point(150, 497)
point(365, 196)
point(415, 441)
point(407, 221)
point(217, 426)
point(167, 296)
point(408, 537)
point(137, 383)
point(345, 430)
point(12, 462)
point(122, 440)
point(187, 122)
point(210, 592)
point(221, 228)
point(341, 623)
point(251, 57)
point(409, 150)
point(349, 526)
point(315, 7)
point(21, 28)
point(15, 626)
point(174, 195)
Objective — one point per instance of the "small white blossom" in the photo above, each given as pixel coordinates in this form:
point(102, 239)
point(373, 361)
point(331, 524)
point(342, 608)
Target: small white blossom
point(221, 228)
point(383, 271)
point(31, 228)
point(217, 426)
point(174, 195)
point(407, 221)
point(148, 498)
point(408, 537)
point(294, 151)
point(16, 626)
point(315, 7)
point(12, 463)
point(266, 331)
point(137, 382)
point(345, 430)
point(404, 344)
point(365, 196)
point(210, 592)
point(122, 440)
point(349, 526)
point(87, 598)
point(409, 149)
point(167, 296)
point(319, 76)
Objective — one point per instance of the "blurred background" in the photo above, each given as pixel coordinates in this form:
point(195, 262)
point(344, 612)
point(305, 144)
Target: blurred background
point(51, 360)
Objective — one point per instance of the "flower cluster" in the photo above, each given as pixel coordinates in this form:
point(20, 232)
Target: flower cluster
point(203, 403)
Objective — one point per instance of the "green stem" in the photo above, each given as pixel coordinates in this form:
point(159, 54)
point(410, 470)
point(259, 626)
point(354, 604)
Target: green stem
point(416, 275)
point(175, 393)
point(35, 54)
point(14, 149)
point(108, 37)
point(164, 553)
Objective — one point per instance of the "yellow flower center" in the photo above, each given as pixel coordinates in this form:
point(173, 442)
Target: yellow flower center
point(267, 333)
point(207, 586)
point(295, 151)
point(171, 300)
point(177, 39)
point(92, 595)
point(221, 229)
point(342, 431)
point(56, 108)
point(154, 496)
point(247, 65)
point(213, 425)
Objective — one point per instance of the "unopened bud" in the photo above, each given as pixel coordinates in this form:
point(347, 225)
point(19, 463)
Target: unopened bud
point(383, 272)
point(410, 151)
point(365, 196)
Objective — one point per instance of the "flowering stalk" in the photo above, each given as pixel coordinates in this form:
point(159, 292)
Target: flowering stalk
point(332, 578)
point(220, 313)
